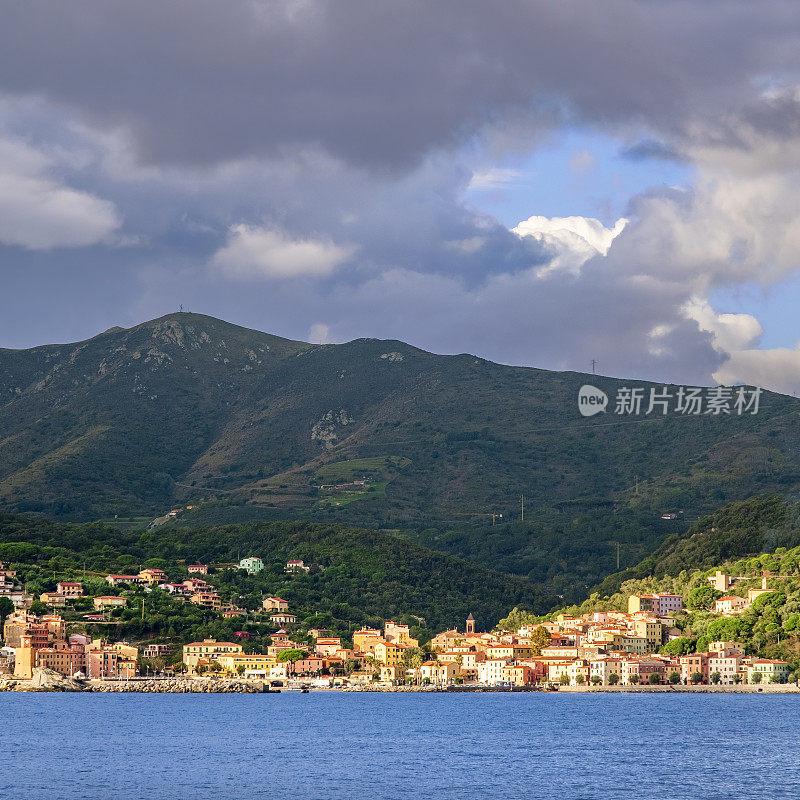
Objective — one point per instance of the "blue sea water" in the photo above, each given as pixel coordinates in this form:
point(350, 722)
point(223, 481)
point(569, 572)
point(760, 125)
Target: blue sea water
point(332, 746)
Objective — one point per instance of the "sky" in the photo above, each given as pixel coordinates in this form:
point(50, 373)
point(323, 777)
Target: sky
point(536, 183)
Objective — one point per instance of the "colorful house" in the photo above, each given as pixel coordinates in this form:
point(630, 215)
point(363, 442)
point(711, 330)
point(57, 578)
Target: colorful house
point(251, 564)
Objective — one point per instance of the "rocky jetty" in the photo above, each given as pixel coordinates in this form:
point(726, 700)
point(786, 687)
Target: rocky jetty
point(46, 680)
point(180, 686)
point(43, 680)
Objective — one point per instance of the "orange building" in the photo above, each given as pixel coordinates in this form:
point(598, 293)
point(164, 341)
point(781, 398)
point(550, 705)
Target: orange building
point(70, 589)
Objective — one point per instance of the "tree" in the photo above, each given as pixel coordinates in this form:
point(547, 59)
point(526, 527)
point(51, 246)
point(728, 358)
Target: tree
point(697, 677)
point(633, 679)
point(6, 608)
point(702, 598)
point(596, 679)
point(756, 677)
point(38, 608)
point(564, 679)
point(350, 665)
point(737, 678)
point(417, 662)
point(580, 680)
point(654, 678)
point(715, 678)
point(539, 638)
point(291, 655)
point(613, 679)
point(681, 646)
point(674, 678)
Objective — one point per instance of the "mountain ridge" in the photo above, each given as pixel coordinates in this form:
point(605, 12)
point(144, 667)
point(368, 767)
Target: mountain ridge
point(190, 410)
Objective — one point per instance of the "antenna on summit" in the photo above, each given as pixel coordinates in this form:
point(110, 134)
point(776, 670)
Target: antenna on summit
point(180, 310)
point(594, 365)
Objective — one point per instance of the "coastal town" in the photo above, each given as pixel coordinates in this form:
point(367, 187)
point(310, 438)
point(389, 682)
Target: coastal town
point(598, 649)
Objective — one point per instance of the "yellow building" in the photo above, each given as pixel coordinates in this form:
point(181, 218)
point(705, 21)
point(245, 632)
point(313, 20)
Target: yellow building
point(399, 634)
point(364, 641)
point(53, 599)
point(125, 650)
point(438, 672)
point(24, 659)
point(234, 663)
point(152, 576)
point(651, 631)
point(555, 669)
point(392, 674)
point(388, 653)
point(109, 601)
point(630, 644)
point(208, 649)
point(517, 651)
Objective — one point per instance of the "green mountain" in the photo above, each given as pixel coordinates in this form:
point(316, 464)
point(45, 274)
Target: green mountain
point(190, 410)
point(357, 576)
point(743, 529)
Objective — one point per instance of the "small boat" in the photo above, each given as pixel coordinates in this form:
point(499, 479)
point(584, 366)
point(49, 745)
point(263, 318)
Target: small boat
point(304, 690)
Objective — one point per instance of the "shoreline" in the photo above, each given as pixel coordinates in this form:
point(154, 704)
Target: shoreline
point(239, 686)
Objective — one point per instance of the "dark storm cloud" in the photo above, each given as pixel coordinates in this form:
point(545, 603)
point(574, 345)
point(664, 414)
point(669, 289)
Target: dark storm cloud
point(651, 149)
point(384, 83)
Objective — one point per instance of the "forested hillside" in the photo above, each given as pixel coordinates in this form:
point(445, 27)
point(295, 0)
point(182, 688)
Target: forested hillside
point(745, 528)
point(357, 576)
point(188, 408)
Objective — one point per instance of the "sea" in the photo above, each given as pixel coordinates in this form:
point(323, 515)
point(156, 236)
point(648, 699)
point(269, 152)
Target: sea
point(337, 746)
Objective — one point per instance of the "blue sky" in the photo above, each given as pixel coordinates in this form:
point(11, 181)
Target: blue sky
point(776, 306)
point(577, 173)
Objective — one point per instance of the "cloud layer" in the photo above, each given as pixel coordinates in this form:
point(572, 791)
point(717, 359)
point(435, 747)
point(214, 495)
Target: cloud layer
point(302, 166)
point(259, 253)
point(39, 213)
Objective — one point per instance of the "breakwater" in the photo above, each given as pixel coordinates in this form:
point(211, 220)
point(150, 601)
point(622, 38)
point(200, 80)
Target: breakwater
point(45, 680)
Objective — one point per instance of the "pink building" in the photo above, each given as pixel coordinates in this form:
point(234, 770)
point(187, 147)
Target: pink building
point(102, 663)
point(696, 662)
point(309, 666)
point(195, 584)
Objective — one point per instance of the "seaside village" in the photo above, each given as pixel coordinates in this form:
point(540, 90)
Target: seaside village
point(604, 648)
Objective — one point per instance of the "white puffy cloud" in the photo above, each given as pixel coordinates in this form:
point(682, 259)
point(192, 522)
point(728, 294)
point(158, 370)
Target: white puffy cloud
point(38, 212)
point(730, 332)
point(776, 368)
point(254, 252)
point(572, 240)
